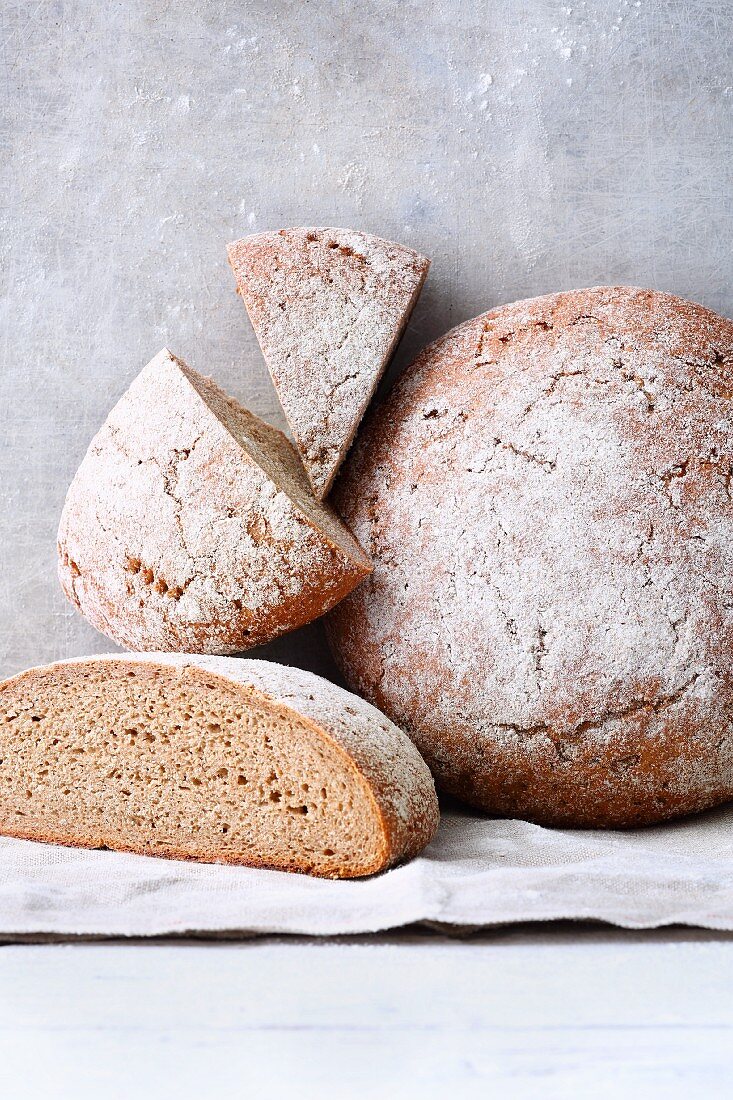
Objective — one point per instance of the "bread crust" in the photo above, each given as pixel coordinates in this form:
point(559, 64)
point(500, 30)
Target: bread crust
point(189, 525)
point(394, 776)
point(546, 496)
point(328, 306)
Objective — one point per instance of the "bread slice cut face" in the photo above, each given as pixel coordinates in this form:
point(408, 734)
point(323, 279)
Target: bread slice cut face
point(328, 307)
point(211, 759)
point(190, 524)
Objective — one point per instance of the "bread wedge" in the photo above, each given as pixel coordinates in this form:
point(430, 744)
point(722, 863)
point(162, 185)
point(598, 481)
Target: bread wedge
point(212, 759)
point(328, 307)
point(190, 525)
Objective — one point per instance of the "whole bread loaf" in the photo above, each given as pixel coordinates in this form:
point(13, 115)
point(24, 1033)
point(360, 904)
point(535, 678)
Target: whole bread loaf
point(328, 307)
point(547, 499)
point(213, 759)
point(190, 524)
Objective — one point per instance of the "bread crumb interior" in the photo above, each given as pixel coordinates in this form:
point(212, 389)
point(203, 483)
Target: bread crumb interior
point(178, 763)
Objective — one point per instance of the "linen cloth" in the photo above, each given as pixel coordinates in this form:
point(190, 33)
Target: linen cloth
point(478, 871)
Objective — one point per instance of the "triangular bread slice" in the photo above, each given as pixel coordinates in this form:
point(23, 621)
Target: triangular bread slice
point(214, 759)
point(328, 307)
point(190, 524)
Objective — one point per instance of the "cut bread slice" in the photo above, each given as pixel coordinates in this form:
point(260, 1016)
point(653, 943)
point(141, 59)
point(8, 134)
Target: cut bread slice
point(328, 307)
point(214, 759)
point(190, 524)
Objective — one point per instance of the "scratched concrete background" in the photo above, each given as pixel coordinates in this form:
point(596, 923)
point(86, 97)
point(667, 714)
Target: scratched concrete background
point(524, 147)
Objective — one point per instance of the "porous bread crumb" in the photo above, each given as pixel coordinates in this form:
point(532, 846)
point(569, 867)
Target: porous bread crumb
point(190, 524)
point(213, 759)
point(546, 496)
point(328, 307)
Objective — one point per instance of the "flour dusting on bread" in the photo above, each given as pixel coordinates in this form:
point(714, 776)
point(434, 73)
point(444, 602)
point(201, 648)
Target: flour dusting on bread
point(328, 307)
point(190, 524)
point(547, 500)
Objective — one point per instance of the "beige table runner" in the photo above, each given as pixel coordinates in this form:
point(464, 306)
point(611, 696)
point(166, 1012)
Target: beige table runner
point(477, 872)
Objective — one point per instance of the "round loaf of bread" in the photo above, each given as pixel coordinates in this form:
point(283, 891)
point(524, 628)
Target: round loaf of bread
point(547, 499)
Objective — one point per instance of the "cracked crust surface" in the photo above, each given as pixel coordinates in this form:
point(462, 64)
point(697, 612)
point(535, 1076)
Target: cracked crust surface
point(213, 759)
point(328, 307)
point(546, 496)
point(191, 526)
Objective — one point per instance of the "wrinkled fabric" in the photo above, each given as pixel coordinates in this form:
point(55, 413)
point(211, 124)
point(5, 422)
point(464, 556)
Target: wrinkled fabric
point(477, 872)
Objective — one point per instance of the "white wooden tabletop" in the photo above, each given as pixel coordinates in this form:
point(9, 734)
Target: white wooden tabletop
point(556, 1013)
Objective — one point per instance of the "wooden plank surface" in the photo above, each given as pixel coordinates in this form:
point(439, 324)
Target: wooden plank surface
point(558, 1013)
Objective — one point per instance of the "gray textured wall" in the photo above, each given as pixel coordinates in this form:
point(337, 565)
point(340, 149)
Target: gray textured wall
point(525, 147)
